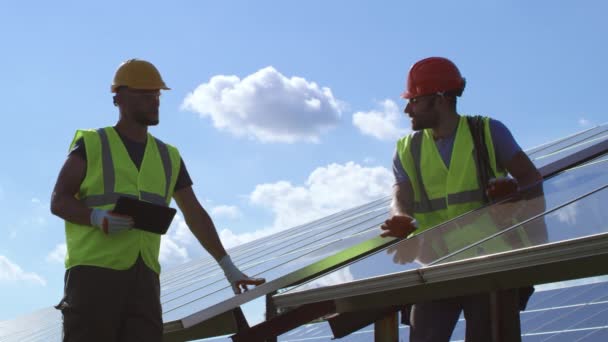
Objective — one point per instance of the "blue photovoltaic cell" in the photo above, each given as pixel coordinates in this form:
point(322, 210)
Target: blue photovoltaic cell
point(594, 335)
point(322, 332)
point(591, 293)
point(564, 318)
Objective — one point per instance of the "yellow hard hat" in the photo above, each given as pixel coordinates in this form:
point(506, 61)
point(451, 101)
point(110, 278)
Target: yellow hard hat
point(138, 74)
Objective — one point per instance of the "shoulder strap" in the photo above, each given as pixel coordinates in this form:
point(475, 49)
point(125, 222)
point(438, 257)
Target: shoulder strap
point(482, 159)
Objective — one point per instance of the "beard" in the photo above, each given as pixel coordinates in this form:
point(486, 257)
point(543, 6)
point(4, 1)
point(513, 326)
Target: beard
point(425, 121)
point(143, 118)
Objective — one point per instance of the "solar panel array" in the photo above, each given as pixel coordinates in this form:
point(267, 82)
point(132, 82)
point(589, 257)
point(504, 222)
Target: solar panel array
point(574, 313)
point(200, 284)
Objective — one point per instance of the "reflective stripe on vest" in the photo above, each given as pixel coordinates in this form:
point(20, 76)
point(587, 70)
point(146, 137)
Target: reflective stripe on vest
point(426, 205)
point(109, 196)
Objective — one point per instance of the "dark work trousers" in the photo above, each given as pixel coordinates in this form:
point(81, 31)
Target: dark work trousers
point(106, 305)
point(435, 321)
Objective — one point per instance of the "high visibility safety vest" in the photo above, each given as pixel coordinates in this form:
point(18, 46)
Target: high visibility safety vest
point(442, 193)
point(110, 174)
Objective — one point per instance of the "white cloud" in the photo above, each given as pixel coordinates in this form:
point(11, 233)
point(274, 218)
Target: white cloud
point(174, 246)
point(11, 272)
point(39, 215)
point(266, 106)
point(583, 122)
point(568, 214)
point(225, 211)
point(58, 254)
point(340, 276)
point(381, 124)
point(230, 239)
point(171, 253)
point(328, 190)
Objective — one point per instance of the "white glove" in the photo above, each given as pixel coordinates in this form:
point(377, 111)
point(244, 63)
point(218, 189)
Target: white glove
point(109, 222)
point(232, 273)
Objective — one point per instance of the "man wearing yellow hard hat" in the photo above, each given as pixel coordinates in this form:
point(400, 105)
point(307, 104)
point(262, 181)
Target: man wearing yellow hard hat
point(112, 289)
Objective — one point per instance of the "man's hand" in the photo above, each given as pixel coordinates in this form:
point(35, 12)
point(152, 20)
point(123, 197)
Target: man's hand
point(110, 222)
point(498, 189)
point(399, 226)
point(236, 278)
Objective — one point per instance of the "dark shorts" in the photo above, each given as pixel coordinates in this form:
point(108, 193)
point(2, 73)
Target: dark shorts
point(106, 305)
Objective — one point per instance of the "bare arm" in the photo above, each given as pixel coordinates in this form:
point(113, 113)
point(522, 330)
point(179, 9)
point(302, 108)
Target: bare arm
point(202, 227)
point(523, 170)
point(403, 197)
point(199, 222)
point(63, 200)
point(400, 224)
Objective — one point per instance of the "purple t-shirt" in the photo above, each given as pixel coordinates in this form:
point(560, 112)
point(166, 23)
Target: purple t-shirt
point(505, 148)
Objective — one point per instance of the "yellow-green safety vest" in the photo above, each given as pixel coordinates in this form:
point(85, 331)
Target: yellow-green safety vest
point(110, 174)
point(442, 193)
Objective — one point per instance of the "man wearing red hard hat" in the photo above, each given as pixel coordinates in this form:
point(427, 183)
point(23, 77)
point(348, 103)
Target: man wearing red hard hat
point(450, 165)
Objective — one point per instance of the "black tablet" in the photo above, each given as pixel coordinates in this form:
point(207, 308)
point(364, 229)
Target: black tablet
point(146, 216)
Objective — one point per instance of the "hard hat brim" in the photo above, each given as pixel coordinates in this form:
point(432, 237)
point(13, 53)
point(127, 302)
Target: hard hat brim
point(113, 88)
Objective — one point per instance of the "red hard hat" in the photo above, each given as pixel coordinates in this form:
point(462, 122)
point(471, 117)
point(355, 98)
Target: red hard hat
point(433, 75)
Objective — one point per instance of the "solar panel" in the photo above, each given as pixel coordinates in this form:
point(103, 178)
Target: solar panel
point(546, 159)
point(583, 193)
point(567, 145)
point(42, 325)
point(569, 296)
point(563, 223)
point(203, 293)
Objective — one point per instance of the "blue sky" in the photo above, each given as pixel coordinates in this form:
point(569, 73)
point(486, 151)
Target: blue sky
point(309, 109)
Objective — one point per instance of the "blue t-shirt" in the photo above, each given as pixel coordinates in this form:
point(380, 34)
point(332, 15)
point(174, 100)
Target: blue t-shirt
point(505, 148)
